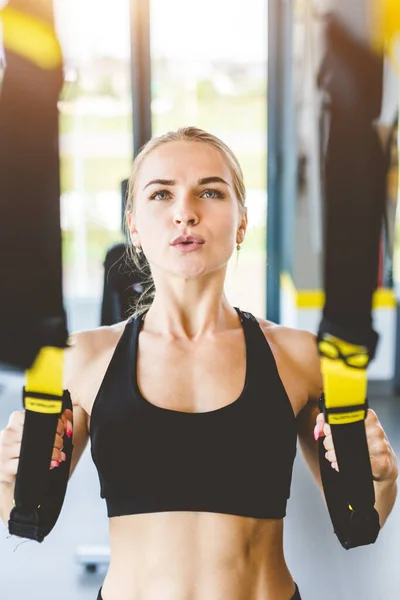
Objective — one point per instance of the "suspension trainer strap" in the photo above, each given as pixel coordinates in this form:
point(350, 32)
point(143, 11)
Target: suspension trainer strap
point(33, 330)
point(31, 307)
point(355, 189)
point(39, 492)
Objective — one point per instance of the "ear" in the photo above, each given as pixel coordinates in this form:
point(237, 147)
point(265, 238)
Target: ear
point(242, 227)
point(131, 224)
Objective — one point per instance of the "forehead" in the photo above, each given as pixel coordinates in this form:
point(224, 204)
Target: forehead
point(184, 161)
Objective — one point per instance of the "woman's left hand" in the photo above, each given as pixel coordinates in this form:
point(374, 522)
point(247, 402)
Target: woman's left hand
point(383, 459)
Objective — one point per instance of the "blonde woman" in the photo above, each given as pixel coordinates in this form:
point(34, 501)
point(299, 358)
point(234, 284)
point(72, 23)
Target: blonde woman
point(193, 407)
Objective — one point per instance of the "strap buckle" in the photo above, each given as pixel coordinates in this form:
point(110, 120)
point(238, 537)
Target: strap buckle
point(356, 357)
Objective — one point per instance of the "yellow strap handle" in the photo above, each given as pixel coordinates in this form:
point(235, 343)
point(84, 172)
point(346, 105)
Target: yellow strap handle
point(386, 29)
point(345, 385)
point(31, 38)
point(45, 377)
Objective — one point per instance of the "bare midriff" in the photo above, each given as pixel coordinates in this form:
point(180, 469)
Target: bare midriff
point(196, 556)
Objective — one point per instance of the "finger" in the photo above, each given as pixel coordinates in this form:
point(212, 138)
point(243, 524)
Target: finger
point(60, 427)
point(67, 422)
point(376, 434)
point(327, 429)
point(10, 436)
point(68, 414)
point(322, 428)
point(59, 442)
point(9, 458)
point(10, 468)
point(374, 428)
point(320, 421)
point(330, 455)
point(328, 443)
point(17, 419)
point(372, 417)
point(58, 455)
point(68, 418)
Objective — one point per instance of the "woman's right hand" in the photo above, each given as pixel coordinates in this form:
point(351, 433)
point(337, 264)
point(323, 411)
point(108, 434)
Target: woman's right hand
point(11, 439)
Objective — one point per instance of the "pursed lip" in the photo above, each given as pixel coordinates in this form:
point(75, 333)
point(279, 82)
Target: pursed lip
point(188, 238)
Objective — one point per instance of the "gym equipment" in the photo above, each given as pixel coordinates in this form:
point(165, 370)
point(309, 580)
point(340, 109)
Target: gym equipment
point(355, 194)
point(32, 317)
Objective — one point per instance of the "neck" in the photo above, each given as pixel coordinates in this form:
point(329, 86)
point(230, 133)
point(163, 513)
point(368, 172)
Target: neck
point(182, 321)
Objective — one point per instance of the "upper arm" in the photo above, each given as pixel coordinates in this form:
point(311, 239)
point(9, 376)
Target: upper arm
point(80, 435)
point(299, 366)
point(306, 419)
point(309, 447)
point(76, 359)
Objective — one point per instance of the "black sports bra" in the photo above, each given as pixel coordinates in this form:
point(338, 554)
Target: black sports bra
point(236, 460)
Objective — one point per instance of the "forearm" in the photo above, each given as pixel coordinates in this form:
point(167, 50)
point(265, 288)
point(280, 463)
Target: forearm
point(6, 501)
point(385, 497)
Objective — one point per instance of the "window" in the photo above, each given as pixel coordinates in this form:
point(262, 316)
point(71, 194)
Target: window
point(209, 69)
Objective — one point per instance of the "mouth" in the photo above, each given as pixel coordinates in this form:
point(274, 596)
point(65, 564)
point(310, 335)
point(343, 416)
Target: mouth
point(188, 246)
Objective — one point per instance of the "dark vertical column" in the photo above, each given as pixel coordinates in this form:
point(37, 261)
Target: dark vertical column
point(31, 307)
point(140, 72)
point(280, 22)
point(288, 142)
point(355, 182)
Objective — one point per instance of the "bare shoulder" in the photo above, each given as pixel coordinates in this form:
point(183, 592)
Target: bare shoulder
point(86, 357)
point(288, 339)
point(295, 352)
point(84, 362)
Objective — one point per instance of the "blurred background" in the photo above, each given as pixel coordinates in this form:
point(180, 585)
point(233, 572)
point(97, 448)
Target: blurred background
point(211, 65)
point(200, 75)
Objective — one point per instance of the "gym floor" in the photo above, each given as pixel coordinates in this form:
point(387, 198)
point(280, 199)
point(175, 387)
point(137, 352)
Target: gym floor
point(321, 567)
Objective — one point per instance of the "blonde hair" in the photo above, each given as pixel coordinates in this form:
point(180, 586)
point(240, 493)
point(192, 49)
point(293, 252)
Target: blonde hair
point(185, 134)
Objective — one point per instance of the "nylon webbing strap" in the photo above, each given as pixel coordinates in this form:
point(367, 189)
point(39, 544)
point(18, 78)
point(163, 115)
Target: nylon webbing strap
point(355, 191)
point(39, 492)
point(350, 503)
point(31, 307)
point(30, 37)
point(386, 28)
point(349, 493)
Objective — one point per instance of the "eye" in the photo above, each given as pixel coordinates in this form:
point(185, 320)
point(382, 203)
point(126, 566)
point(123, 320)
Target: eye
point(213, 194)
point(161, 193)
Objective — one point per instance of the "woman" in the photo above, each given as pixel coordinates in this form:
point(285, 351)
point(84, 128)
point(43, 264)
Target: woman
point(193, 406)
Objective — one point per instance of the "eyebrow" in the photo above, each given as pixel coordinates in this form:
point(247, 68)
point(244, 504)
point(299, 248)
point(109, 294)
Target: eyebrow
point(205, 180)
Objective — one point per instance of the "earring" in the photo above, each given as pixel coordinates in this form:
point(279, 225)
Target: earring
point(138, 250)
point(238, 247)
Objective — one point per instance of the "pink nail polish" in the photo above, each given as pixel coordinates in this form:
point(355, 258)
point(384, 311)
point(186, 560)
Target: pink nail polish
point(316, 432)
point(69, 433)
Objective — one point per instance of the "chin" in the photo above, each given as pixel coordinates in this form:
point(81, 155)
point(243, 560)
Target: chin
point(189, 273)
point(188, 269)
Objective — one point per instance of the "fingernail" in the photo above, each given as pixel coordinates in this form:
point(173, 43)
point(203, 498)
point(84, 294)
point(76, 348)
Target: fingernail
point(63, 456)
point(69, 433)
point(55, 463)
point(316, 432)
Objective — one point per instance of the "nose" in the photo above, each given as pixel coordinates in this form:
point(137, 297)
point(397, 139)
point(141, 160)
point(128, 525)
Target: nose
point(185, 213)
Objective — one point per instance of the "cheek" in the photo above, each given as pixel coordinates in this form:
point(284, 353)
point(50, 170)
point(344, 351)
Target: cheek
point(226, 228)
point(153, 234)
